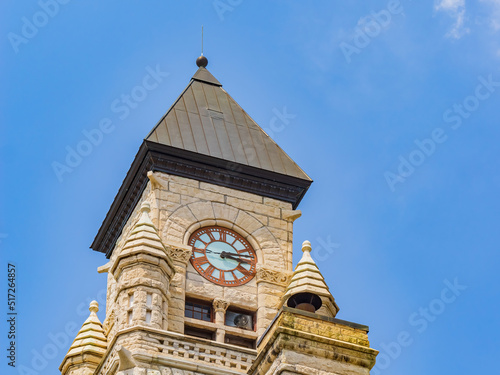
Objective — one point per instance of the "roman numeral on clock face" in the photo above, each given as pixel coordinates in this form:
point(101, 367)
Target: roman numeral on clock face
point(210, 270)
point(223, 236)
point(200, 261)
point(212, 237)
point(244, 271)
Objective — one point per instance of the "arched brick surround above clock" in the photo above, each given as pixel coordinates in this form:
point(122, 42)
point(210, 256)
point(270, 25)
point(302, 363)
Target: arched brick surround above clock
point(197, 215)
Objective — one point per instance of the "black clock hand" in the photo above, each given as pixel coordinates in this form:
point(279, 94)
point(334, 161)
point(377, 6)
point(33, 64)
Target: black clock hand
point(246, 256)
point(225, 253)
point(213, 252)
point(234, 257)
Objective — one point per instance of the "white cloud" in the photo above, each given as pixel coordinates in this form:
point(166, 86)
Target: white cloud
point(495, 13)
point(450, 5)
point(458, 30)
point(456, 10)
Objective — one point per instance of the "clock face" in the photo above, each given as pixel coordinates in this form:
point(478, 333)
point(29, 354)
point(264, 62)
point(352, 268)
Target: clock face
point(222, 256)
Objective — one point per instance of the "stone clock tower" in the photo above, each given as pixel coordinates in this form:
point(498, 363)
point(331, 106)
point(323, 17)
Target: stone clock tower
point(199, 242)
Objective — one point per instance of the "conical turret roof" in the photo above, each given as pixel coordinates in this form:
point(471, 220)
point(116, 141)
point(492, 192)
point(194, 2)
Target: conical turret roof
point(307, 278)
point(143, 239)
point(144, 236)
point(90, 342)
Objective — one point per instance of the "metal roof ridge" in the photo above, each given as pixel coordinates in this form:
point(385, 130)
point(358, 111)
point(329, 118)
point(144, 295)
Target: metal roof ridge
point(203, 75)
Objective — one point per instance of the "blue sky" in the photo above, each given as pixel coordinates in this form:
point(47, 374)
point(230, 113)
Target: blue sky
point(392, 108)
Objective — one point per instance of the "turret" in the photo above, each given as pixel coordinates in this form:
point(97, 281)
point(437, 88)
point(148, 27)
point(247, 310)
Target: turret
point(88, 348)
point(143, 271)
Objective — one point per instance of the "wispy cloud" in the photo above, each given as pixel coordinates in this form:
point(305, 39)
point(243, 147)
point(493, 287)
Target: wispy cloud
point(494, 14)
point(456, 10)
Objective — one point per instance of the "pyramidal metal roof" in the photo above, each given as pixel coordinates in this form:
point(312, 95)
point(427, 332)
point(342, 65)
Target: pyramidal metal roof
point(205, 119)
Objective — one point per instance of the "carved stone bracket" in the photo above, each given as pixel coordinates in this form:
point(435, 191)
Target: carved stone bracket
point(178, 253)
point(157, 181)
point(291, 215)
point(126, 360)
point(273, 276)
point(220, 305)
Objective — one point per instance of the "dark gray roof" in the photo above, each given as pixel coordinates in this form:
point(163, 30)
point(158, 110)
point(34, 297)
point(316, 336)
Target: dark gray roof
point(205, 119)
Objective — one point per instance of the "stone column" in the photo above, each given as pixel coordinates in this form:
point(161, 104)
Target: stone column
point(180, 255)
point(220, 307)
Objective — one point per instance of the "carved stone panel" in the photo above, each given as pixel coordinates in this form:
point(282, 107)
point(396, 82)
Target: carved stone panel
point(273, 276)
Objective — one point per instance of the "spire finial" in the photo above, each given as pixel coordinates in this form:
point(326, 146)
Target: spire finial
point(145, 207)
point(202, 61)
point(306, 246)
point(94, 307)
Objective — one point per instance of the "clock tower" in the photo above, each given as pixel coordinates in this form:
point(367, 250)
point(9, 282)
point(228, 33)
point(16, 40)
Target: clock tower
point(199, 242)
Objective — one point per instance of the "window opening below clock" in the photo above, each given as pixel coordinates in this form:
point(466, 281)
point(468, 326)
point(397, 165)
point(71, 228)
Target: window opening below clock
point(198, 332)
point(198, 310)
point(240, 319)
point(239, 341)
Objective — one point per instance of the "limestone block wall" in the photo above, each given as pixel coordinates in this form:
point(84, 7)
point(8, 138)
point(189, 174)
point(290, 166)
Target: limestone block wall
point(179, 206)
point(184, 205)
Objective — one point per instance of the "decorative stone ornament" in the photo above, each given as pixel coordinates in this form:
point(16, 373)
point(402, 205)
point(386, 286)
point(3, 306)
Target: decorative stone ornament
point(220, 305)
point(178, 253)
point(273, 276)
